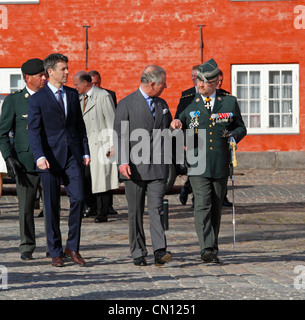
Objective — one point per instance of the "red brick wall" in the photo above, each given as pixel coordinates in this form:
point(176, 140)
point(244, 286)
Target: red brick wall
point(127, 35)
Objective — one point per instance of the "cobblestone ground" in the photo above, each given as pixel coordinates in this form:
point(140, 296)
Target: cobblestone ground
point(263, 265)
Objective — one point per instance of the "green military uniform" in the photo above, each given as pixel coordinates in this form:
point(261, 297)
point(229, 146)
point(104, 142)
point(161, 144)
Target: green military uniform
point(14, 117)
point(209, 186)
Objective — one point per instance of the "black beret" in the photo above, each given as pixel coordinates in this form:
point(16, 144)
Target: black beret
point(208, 70)
point(32, 66)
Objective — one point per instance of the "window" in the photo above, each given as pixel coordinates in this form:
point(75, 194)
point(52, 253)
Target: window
point(268, 96)
point(19, 1)
point(10, 80)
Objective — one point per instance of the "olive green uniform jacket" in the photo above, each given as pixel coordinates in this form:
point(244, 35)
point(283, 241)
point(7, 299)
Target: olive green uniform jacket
point(216, 147)
point(15, 117)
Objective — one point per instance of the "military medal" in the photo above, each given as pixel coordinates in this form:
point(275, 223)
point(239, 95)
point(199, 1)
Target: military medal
point(222, 117)
point(194, 121)
point(207, 102)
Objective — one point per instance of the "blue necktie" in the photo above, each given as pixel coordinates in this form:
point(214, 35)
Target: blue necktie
point(152, 107)
point(60, 100)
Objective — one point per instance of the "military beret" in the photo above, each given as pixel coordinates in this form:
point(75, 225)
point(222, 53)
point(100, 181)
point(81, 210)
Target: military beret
point(32, 66)
point(208, 70)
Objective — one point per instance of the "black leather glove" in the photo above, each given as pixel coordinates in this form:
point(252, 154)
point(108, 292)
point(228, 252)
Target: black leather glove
point(229, 134)
point(13, 166)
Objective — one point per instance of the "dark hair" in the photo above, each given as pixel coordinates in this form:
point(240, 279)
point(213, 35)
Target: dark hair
point(94, 73)
point(51, 60)
point(85, 77)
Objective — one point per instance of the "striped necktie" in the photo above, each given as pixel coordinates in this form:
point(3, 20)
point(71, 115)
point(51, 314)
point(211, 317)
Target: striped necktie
point(85, 101)
point(152, 107)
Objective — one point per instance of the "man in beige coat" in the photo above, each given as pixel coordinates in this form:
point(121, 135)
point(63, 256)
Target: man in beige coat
point(98, 114)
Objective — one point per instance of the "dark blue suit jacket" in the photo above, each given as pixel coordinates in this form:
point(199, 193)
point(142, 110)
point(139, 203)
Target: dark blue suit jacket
point(51, 134)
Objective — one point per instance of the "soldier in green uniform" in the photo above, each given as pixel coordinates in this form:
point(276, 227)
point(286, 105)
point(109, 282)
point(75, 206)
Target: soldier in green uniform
point(19, 157)
point(219, 115)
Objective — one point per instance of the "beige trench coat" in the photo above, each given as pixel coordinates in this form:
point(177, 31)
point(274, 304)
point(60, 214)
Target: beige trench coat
point(99, 116)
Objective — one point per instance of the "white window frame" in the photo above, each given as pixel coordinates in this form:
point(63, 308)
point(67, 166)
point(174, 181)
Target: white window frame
point(5, 79)
point(264, 70)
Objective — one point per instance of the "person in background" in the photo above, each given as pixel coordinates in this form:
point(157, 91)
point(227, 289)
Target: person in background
point(187, 97)
point(98, 114)
point(96, 81)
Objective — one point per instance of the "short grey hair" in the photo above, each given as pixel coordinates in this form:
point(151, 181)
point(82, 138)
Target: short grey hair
point(152, 73)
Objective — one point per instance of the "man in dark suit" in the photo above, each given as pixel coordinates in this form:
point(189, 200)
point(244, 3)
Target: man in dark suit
point(219, 115)
point(59, 142)
point(187, 97)
point(19, 157)
point(144, 111)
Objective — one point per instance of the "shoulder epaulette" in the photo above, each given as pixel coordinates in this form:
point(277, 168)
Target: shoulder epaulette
point(188, 95)
point(224, 92)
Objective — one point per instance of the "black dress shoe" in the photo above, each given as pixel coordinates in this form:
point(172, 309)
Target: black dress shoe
point(227, 203)
point(141, 261)
point(183, 196)
point(101, 219)
point(162, 257)
point(26, 256)
point(207, 255)
point(89, 212)
point(112, 211)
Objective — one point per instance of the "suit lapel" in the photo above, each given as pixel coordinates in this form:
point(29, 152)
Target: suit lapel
point(145, 108)
point(158, 114)
point(54, 99)
point(90, 103)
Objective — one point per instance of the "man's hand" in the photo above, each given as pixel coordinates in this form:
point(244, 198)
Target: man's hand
point(86, 161)
point(125, 170)
point(13, 166)
point(43, 164)
point(176, 124)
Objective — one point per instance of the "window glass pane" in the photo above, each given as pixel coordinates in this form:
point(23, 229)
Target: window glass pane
point(255, 121)
point(286, 106)
point(245, 119)
point(274, 121)
point(287, 92)
point(274, 77)
point(254, 92)
point(254, 77)
point(274, 106)
point(16, 81)
point(274, 92)
point(254, 107)
point(242, 77)
point(287, 77)
point(287, 121)
point(243, 105)
point(242, 92)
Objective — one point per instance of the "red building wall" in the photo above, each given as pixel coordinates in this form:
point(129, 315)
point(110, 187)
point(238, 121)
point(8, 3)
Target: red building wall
point(125, 36)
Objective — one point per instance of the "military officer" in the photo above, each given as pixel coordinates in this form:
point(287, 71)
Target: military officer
point(18, 157)
point(219, 115)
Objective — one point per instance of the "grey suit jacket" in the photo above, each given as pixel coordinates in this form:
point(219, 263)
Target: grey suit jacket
point(139, 148)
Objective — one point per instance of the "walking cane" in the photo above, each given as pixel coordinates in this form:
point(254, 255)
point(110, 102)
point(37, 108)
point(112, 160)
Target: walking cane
point(233, 163)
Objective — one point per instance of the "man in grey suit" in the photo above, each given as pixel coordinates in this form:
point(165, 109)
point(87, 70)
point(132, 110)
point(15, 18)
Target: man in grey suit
point(143, 112)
